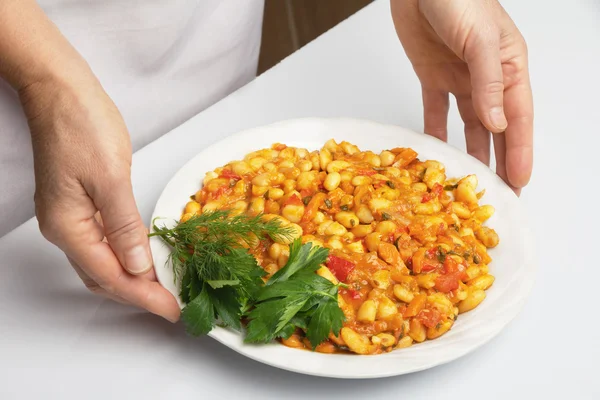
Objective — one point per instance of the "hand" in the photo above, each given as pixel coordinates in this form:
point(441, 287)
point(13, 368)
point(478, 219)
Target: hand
point(82, 159)
point(472, 49)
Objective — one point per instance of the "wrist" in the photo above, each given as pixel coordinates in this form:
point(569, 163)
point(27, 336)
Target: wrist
point(66, 68)
point(51, 91)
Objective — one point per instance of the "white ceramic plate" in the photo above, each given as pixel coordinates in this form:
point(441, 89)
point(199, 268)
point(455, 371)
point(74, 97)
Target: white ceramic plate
point(513, 260)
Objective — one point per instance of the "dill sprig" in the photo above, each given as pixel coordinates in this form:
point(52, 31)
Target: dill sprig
point(203, 239)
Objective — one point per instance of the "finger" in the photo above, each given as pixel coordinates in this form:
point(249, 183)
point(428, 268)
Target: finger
point(435, 113)
point(80, 236)
point(98, 261)
point(477, 136)
point(150, 275)
point(123, 226)
point(482, 54)
point(109, 296)
point(137, 290)
point(92, 286)
point(500, 153)
point(519, 133)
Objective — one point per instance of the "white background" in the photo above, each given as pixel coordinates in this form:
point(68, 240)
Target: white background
point(58, 341)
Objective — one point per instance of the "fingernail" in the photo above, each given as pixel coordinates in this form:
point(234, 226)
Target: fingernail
point(497, 118)
point(172, 319)
point(137, 260)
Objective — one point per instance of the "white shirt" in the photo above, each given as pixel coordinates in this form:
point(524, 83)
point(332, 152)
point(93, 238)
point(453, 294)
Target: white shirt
point(161, 62)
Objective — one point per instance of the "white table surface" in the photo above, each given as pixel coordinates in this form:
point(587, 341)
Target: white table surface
point(59, 341)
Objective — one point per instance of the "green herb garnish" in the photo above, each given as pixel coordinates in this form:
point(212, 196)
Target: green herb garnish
point(296, 297)
point(219, 277)
point(221, 281)
point(306, 200)
point(385, 216)
point(344, 207)
point(391, 184)
point(328, 203)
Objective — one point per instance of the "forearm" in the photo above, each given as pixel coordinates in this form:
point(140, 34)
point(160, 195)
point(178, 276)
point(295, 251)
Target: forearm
point(32, 49)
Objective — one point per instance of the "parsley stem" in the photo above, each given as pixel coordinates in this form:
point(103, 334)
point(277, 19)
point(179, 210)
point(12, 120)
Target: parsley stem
point(326, 295)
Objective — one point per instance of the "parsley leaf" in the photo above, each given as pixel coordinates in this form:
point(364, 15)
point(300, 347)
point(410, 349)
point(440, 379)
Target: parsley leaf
point(287, 331)
point(305, 257)
point(198, 315)
point(227, 306)
point(300, 320)
point(296, 297)
point(269, 318)
point(328, 317)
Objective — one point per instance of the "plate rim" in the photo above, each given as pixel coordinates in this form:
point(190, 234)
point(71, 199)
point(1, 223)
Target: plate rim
point(222, 335)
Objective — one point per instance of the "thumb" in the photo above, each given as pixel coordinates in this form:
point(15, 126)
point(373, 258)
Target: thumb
point(123, 227)
point(483, 58)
